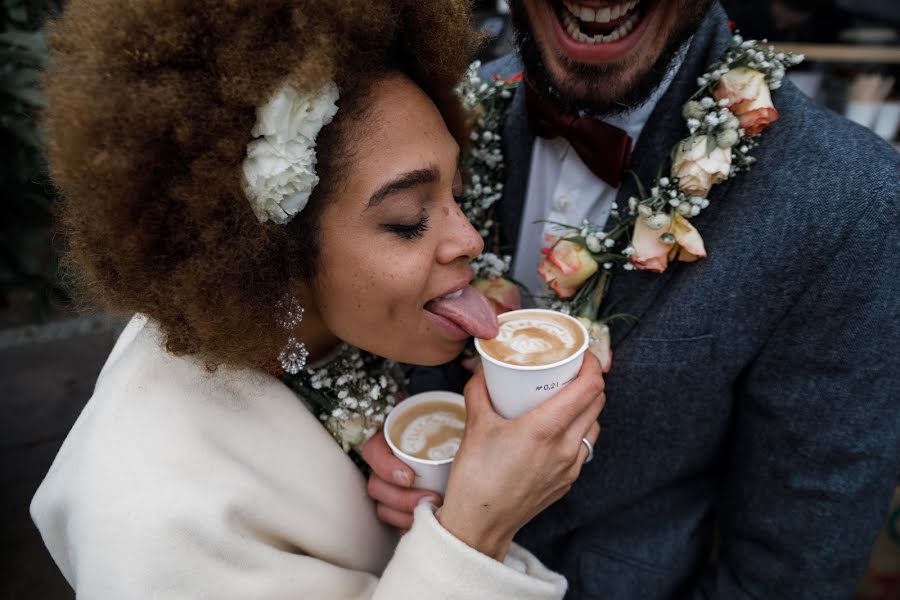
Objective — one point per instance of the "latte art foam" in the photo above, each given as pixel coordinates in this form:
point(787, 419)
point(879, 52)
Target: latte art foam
point(432, 430)
point(534, 340)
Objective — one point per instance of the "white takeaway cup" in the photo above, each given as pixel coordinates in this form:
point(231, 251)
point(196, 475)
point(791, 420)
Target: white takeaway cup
point(516, 389)
point(430, 474)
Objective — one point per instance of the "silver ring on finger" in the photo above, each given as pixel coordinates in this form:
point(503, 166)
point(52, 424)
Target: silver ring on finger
point(590, 448)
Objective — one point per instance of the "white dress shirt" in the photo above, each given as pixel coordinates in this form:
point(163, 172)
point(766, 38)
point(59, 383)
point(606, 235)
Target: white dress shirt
point(562, 189)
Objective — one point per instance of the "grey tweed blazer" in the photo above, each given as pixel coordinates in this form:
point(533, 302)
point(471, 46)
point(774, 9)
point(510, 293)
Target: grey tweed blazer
point(754, 406)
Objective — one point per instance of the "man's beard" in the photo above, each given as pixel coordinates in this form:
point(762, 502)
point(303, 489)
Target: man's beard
point(596, 100)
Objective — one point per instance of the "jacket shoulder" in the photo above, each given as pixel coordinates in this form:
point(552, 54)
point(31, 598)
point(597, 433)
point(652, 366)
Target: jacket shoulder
point(829, 157)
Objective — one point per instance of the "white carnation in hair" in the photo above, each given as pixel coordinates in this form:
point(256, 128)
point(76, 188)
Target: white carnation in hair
point(280, 167)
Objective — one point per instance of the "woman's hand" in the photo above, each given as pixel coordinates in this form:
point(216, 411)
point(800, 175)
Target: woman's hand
point(390, 485)
point(508, 471)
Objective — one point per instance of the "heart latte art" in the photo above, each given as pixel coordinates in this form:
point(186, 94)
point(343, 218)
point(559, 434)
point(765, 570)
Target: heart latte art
point(533, 339)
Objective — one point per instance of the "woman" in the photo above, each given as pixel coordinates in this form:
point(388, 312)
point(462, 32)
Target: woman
point(262, 182)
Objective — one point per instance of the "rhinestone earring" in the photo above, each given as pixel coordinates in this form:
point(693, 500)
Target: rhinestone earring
point(294, 355)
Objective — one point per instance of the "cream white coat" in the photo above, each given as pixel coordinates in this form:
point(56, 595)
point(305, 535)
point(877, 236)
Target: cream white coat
point(177, 482)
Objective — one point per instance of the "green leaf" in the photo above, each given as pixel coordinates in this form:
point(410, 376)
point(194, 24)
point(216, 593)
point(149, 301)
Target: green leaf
point(558, 224)
point(711, 144)
point(575, 239)
point(619, 317)
point(640, 186)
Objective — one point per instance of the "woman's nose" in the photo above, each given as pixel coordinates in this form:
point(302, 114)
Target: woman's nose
point(459, 238)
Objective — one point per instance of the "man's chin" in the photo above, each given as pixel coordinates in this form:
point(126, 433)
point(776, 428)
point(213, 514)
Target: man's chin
point(611, 64)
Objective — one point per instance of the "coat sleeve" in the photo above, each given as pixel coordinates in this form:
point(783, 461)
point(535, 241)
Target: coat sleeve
point(152, 555)
point(431, 563)
point(817, 430)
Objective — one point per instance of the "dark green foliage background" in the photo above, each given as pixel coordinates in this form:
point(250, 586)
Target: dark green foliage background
point(30, 285)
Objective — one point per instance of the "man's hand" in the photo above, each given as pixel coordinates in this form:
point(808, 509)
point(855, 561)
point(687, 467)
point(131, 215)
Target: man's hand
point(390, 484)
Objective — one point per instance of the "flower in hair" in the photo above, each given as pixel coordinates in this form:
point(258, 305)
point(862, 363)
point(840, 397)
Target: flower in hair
point(280, 167)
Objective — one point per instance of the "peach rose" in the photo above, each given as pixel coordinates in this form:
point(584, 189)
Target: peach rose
point(652, 254)
point(502, 293)
point(698, 170)
point(566, 266)
point(748, 98)
point(599, 343)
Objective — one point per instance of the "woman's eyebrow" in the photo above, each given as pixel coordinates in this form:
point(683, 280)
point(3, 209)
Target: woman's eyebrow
point(404, 182)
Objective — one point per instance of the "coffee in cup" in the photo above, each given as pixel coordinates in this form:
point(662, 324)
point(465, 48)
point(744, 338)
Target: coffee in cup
point(425, 431)
point(536, 354)
point(533, 338)
point(431, 430)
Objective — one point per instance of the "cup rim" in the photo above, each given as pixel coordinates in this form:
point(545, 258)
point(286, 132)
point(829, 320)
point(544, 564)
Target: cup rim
point(581, 350)
point(419, 398)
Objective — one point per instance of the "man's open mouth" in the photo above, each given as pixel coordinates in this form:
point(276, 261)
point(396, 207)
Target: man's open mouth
point(600, 25)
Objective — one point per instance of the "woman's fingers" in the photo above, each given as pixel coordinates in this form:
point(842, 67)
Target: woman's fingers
point(478, 402)
point(561, 412)
point(583, 421)
point(592, 435)
point(384, 464)
point(394, 518)
point(398, 501)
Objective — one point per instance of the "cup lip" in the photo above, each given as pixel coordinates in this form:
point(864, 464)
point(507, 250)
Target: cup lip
point(581, 350)
point(418, 399)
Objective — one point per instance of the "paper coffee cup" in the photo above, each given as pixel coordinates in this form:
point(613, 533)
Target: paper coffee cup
point(430, 474)
point(516, 389)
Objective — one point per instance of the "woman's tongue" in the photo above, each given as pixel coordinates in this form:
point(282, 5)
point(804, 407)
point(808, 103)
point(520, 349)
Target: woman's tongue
point(471, 311)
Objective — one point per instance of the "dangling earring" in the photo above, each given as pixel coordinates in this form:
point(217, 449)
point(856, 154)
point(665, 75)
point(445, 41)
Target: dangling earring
point(293, 356)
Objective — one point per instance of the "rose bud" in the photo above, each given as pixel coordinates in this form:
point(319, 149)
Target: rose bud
point(502, 293)
point(748, 98)
point(566, 266)
point(653, 253)
point(698, 170)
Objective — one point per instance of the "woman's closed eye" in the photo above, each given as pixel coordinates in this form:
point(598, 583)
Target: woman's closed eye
point(410, 231)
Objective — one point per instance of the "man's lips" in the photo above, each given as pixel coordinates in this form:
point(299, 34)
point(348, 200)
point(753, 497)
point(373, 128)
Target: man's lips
point(624, 31)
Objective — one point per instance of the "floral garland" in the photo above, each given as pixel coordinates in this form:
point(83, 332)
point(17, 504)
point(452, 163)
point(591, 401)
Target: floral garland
point(729, 110)
point(352, 393)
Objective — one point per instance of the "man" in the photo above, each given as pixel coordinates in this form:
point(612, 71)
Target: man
point(750, 439)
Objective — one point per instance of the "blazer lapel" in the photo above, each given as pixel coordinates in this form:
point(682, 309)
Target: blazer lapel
point(634, 293)
point(518, 141)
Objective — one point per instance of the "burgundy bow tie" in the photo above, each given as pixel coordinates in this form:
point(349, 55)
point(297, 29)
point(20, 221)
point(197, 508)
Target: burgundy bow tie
point(604, 148)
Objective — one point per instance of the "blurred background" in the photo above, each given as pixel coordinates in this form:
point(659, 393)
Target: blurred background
point(51, 349)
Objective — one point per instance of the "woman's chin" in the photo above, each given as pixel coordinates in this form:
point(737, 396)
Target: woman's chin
point(430, 353)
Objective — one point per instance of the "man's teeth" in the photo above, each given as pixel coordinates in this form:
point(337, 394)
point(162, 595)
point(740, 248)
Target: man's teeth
point(452, 295)
point(571, 24)
point(599, 15)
